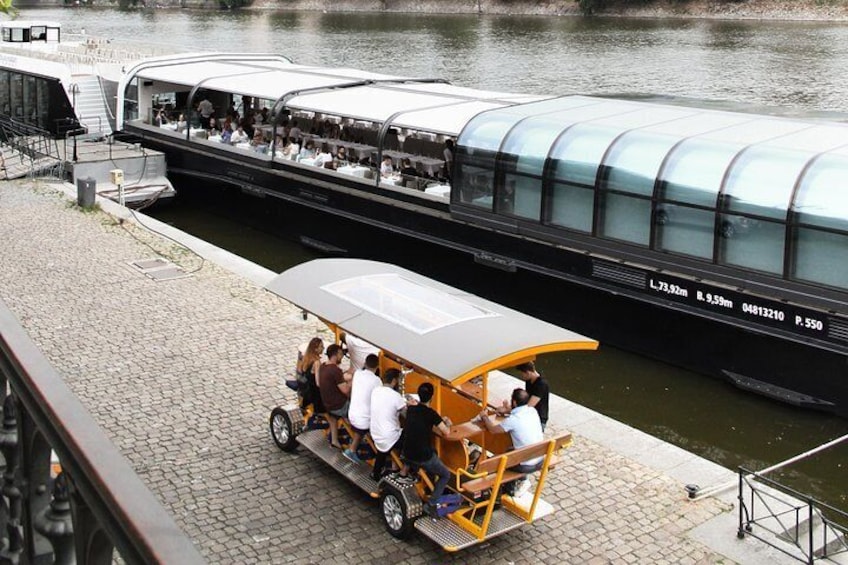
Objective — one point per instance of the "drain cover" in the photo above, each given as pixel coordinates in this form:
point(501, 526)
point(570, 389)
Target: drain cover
point(159, 269)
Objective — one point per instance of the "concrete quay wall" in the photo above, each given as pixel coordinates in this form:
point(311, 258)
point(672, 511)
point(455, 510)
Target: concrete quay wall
point(182, 375)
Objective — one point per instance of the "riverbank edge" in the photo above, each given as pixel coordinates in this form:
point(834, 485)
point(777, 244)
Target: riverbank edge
point(756, 10)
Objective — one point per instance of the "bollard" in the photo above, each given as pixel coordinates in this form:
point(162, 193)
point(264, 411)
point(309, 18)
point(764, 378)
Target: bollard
point(86, 190)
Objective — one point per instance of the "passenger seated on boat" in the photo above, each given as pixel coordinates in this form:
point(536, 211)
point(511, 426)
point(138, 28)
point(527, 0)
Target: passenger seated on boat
point(335, 391)
point(308, 151)
point(523, 426)
point(306, 370)
point(227, 133)
point(213, 126)
point(294, 149)
point(407, 169)
point(182, 124)
point(386, 168)
point(387, 406)
point(239, 136)
point(341, 156)
point(258, 142)
point(364, 381)
point(324, 156)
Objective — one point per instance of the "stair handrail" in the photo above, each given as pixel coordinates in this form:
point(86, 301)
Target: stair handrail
point(834, 521)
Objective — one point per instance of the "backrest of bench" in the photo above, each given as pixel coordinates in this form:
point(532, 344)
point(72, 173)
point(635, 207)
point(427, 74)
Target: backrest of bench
point(514, 457)
point(517, 456)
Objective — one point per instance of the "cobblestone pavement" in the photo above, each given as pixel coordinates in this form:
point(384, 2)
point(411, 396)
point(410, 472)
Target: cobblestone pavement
point(182, 374)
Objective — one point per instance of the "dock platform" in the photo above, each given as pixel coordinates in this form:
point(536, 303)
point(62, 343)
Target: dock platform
point(182, 373)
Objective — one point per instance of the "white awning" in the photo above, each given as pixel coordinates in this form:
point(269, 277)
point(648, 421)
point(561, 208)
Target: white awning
point(448, 120)
point(445, 331)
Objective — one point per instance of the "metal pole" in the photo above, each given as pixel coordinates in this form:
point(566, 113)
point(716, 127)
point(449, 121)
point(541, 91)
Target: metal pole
point(74, 90)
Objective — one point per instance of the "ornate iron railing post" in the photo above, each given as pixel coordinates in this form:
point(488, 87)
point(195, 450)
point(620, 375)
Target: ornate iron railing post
point(9, 441)
point(55, 523)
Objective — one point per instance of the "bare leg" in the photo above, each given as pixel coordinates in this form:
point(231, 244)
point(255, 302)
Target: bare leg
point(334, 430)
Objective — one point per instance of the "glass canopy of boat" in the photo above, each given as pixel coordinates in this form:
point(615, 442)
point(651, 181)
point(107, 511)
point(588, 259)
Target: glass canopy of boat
point(748, 191)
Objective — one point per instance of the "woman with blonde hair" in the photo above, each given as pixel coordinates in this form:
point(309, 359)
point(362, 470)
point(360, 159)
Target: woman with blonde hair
point(307, 371)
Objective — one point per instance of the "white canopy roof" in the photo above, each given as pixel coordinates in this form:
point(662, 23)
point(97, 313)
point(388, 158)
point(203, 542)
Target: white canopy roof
point(423, 105)
point(442, 330)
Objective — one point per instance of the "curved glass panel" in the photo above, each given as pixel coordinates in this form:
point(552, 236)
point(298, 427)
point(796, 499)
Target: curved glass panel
point(572, 207)
point(486, 132)
point(474, 179)
point(694, 171)
point(528, 144)
point(634, 161)
point(578, 152)
point(762, 179)
point(822, 198)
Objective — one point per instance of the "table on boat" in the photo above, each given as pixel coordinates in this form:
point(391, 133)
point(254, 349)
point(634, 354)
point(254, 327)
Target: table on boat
point(439, 190)
point(427, 164)
point(353, 170)
point(393, 180)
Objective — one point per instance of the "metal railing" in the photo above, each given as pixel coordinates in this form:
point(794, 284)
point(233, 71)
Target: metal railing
point(97, 505)
point(802, 527)
point(35, 147)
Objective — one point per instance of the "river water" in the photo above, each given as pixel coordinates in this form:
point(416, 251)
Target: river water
point(800, 67)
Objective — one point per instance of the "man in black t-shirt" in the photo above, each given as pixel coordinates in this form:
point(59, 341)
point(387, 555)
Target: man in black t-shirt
point(421, 423)
point(537, 388)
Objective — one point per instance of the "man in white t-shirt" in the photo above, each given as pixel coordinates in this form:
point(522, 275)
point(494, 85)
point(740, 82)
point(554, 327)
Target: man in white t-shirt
point(364, 381)
point(357, 350)
point(387, 405)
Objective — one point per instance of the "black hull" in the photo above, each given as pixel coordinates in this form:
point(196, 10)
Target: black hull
point(567, 287)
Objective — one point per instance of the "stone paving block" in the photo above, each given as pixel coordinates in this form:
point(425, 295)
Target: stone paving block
point(182, 375)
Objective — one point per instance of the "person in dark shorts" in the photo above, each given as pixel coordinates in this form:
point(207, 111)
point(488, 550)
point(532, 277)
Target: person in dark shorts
point(421, 423)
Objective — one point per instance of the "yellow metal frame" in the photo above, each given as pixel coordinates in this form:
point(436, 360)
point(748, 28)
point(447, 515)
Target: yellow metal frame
point(461, 405)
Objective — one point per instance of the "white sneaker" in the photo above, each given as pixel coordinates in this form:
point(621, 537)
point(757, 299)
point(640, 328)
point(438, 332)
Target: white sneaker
point(522, 488)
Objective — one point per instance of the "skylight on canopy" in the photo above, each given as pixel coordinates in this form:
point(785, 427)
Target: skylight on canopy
point(416, 307)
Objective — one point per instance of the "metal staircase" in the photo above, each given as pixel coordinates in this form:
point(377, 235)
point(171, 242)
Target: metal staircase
point(90, 105)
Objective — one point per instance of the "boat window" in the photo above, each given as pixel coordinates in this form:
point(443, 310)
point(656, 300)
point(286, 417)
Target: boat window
point(5, 100)
point(474, 184)
point(30, 100)
point(762, 179)
point(821, 255)
point(53, 33)
point(43, 104)
point(17, 95)
point(692, 174)
point(752, 243)
point(631, 167)
point(520, 195)
point(576, 157)
point(525, 150)
point(685, 230)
